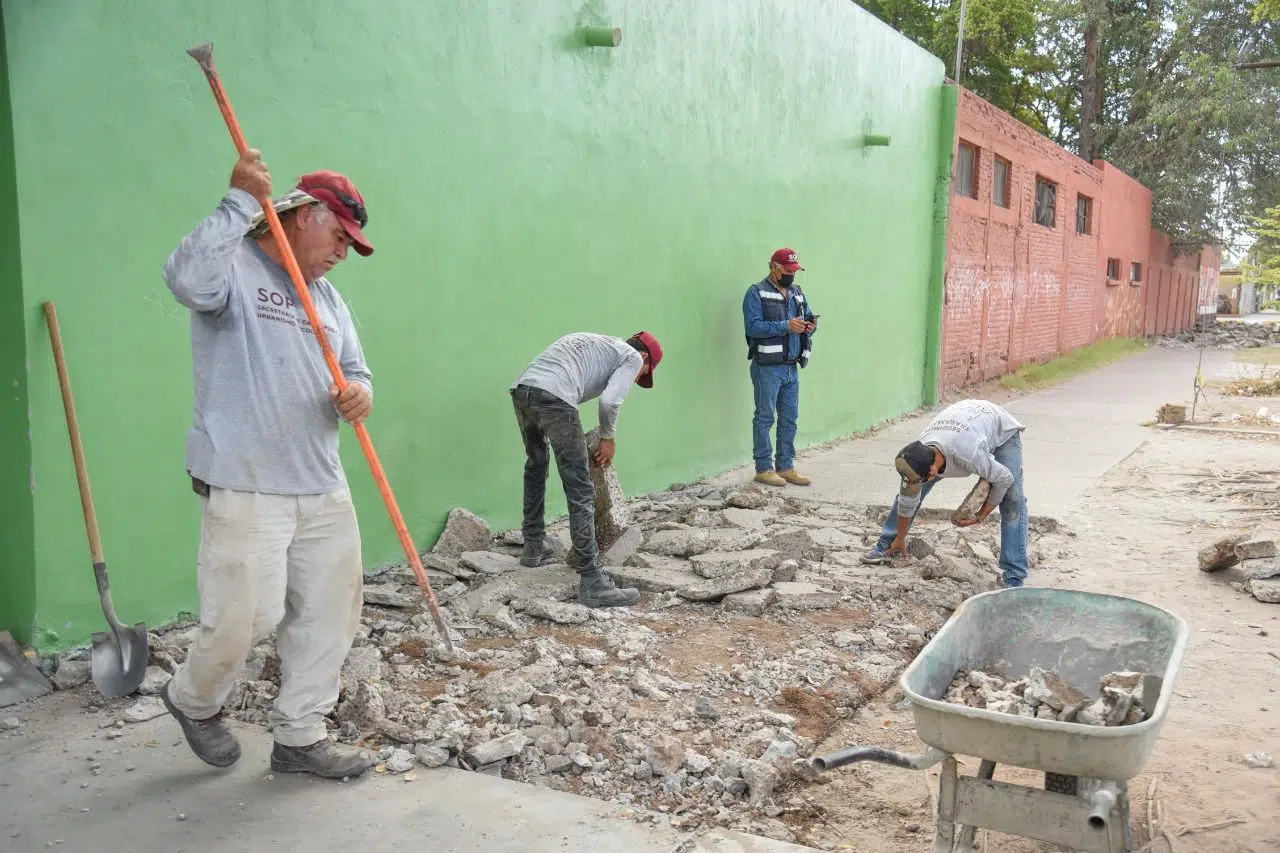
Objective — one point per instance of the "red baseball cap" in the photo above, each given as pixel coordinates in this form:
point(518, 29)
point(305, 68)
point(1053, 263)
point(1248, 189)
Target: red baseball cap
point(787, 259)
point(340, 196)
point(654, 349)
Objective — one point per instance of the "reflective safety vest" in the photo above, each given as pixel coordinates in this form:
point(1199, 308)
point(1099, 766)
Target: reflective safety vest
point(773, 307)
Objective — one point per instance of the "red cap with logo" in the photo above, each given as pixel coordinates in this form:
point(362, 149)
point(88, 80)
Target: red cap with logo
point(787, 259)
point(651, 345)
point(338, 194)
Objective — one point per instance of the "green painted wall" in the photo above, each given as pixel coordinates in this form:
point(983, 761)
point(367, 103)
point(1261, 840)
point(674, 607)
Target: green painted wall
point(520, 185)
point(17, 544)
point(948, 111)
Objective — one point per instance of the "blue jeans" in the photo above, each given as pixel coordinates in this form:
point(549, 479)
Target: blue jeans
point(1013, 516)
point(777, 388)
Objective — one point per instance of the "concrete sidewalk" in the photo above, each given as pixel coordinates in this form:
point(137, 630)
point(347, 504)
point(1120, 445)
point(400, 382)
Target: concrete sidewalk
point(151, 793)
point(1075, 433)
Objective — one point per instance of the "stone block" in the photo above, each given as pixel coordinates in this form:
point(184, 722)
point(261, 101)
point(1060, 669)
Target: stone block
point(498, 749)
point(714, 564)
point(973, 502)
point(748, 497)
point(463, 531)
point(678, 543)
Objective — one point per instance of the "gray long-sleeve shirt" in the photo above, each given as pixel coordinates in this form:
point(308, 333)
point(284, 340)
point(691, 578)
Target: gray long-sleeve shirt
point(582, 366)
point(967, 433)
point(263, 420)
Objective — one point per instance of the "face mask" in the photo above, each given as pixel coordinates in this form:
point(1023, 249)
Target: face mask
point(786, 279)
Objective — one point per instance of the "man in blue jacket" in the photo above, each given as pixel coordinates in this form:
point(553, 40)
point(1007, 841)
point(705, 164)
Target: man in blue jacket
point(779, 327)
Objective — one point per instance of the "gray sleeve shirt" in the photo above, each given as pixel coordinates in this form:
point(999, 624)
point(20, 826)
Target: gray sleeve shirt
point(262, 419)
point(582, 366)
point(967, 433)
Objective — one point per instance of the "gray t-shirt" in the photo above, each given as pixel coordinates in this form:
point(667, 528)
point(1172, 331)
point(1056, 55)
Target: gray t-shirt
point(968, 433)
point(582, 366)
point(262, 420)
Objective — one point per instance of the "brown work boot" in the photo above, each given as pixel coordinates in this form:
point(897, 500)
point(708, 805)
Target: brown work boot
point(770, 478)
point(794, 477)
point(211, 740)
point(328, 759)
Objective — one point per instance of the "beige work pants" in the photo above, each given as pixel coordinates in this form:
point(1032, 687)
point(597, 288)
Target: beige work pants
point(282, 562)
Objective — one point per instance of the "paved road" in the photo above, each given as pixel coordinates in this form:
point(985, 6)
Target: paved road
point(1075, 432)
point(152, 794)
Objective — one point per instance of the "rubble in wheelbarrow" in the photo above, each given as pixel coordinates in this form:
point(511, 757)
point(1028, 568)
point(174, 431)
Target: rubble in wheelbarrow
point(1043, 695)
point(757, 632)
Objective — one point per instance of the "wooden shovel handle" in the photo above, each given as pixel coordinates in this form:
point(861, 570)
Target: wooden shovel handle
point(73, 427)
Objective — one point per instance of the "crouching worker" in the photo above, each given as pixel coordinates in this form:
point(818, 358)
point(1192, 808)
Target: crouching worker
point(966, 438)
point(576, 368)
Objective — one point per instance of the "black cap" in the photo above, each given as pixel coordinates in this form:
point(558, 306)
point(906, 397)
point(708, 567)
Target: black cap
point(914, 463)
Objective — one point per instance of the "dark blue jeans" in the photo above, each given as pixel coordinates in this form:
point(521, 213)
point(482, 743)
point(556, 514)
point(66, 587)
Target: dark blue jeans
point(777, 389)
point(1013, 516)
point(545, 419)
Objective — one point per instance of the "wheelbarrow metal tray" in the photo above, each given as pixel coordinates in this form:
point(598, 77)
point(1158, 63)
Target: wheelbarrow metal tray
point(1081, 636)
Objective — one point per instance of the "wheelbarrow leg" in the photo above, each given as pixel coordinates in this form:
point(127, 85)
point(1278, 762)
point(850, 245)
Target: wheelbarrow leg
point(946, 807)
point(964, 841)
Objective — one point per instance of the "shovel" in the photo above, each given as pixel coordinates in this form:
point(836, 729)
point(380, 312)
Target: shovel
point(119, 659)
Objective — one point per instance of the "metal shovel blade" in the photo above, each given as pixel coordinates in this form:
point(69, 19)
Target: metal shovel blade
point(19, 678)
point(118, 662)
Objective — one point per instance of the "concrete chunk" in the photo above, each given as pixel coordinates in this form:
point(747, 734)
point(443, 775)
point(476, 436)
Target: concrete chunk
point(624, 548)
point(752, 603)
point(717, 563)
point(746, 519)
point(497, 749)
point(831, 539)
point(490, 562)
point(651, 579)
point(463, 531)
point(796, 543)
point(795, 595)
point(973, 502)
point(717, 588)
point(1260, 569)
point(1221, 554)
point(678, 543)
point(556, 582)
point(748, 497)
point(613, 516)
point(561, 613)
point(388, 595)
point(1265, 590)
point(1256, 550)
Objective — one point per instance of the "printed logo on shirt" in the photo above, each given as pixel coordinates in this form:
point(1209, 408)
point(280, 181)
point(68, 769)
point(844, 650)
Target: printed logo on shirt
point(278, 307)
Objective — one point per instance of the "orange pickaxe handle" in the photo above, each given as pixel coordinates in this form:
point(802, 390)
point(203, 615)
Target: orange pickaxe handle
point(203, 54)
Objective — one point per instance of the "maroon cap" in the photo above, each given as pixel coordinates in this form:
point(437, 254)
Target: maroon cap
point(654, 349)
point(341, 196)
point(787, 259)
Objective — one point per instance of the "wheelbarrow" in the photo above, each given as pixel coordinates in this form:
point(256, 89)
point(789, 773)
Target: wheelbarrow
point(1081, 636)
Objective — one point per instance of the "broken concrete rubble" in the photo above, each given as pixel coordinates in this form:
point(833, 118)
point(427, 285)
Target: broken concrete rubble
point(463, 531)
point(1221, 554)
point(697, 699)
point(612, 515)
point(1043, 695)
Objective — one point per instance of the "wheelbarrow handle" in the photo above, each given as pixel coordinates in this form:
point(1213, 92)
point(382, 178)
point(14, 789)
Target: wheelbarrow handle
point(854, 754)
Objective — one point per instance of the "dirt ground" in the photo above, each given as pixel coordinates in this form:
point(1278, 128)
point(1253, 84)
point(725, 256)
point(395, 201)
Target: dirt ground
point(1138, 536)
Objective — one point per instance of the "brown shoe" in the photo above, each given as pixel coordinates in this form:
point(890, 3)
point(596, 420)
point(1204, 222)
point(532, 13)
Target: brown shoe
point(328, 759)
point(794, 477)
point(770, 478)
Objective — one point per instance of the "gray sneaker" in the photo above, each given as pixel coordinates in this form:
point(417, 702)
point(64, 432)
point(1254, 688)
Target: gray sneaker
point(596, 589)
point(211, 740)
point(328, 759)
point(877, 556)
